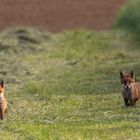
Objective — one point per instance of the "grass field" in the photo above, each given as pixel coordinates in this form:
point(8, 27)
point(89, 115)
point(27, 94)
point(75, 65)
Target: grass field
point(66, 86)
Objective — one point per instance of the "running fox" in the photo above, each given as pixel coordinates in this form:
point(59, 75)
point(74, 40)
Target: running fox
point(131, 89)
point(3, 101)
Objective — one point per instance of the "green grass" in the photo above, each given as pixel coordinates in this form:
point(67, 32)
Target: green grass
point(67, 86)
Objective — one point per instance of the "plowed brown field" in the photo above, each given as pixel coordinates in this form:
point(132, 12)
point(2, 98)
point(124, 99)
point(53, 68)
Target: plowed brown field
point(59, 15)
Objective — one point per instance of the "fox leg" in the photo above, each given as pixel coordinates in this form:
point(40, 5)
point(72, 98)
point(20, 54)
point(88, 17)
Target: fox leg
point(135, 101)
point(1, 115)
point(132, 102)
point(126, 102)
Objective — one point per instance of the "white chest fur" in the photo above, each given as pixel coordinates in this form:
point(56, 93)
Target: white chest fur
point(1, 97)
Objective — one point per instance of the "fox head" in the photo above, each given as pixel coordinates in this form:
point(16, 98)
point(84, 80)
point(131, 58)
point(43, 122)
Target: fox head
point(127, 79)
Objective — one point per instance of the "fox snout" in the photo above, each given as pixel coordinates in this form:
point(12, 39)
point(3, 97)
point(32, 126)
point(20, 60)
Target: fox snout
point(126, 86)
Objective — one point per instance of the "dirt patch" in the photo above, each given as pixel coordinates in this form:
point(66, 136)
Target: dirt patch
point(59, 15)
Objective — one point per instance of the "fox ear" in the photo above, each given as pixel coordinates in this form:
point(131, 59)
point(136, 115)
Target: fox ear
point(121, 74)
point(132, 74)
point(2, 83)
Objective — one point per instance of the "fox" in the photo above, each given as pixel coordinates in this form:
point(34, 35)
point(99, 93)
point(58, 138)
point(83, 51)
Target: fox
point(130, 88)
point(3, 100)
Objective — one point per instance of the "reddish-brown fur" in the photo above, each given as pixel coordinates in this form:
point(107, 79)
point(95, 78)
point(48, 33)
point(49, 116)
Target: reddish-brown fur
point(3, 101)
point(131, 89)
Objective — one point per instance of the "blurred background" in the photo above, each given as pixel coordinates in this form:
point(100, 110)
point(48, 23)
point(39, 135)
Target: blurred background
point(61, 15)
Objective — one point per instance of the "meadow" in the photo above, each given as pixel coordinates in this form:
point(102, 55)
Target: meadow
point(66, 86)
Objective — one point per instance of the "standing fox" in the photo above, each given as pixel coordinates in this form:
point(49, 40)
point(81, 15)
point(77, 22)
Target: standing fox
point(131, 89)
point(3, 101)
